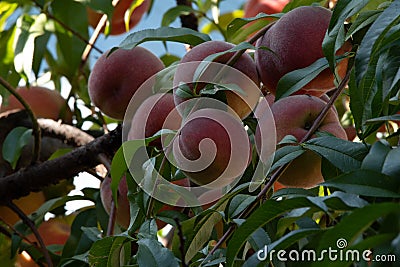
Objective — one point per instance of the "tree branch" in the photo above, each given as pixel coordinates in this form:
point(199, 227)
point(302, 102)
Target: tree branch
point(67, 133)
point(35, 177)
point(190, 20)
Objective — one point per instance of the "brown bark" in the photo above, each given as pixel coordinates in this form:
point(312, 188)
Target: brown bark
point(36, 177)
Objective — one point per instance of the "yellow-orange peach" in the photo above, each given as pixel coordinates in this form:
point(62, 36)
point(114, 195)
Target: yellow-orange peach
point(45, 103)
point(294, 115)
point(295, 42)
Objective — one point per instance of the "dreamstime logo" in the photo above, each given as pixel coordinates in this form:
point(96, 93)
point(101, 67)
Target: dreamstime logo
point(243, 92)
point(332, 254)
point(341, 243)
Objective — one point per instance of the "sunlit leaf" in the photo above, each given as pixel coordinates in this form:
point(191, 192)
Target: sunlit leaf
point(180, 35)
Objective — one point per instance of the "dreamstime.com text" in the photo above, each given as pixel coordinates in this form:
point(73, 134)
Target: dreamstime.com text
point(332, 254)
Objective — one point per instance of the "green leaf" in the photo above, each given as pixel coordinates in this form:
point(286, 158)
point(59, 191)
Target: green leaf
point(184, 91)
point(38, 216)
point(264, 214)
point(15, 141)
point(285, 155)
point(374, 36)
point(292, 237)
point(343, 154)
point(203, 230)
point(148, 229)
point(93, 233)
point(7, 69)
point(181, 35)
point(366, 183)
point(223, 21)
point(212, 89)
point(169, 59)
point(173, 13)
point(107, 252)
point(239, 203)
point(79, 243)
point(376, 157)
point(297, 79)
point(382, 158)
point(395, 117)
point(335, 34)
point(391, 165)
point(60, 152)
point(6, 10)
point(118, 169)
point(99, 6)
point(297, 3)
point(152, 253)
point(23, 42)
point(259, 239)
point(288, 139)
point(294, 192)
point(364, 19)
point(70, 47)
point(197, 230)
point(206, 62)
point(236, 26)
point(343, 201)
point(39, 52)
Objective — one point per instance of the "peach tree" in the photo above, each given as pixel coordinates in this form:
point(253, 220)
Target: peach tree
point(189, 148)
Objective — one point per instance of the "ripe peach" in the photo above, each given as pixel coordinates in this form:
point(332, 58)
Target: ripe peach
point(294, 115)
point(118, 16)
point(212, 144)
point(278, 186)
point(55, 231)
point(45, 103)
point(116, 77)
point(253, 7)
point(241, 104)
point(151, 117)
point(122, 209)
point(296, 42)
point(350, 132)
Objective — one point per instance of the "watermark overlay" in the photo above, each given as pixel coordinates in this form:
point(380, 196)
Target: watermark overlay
point(340, 253)
point(242, 97)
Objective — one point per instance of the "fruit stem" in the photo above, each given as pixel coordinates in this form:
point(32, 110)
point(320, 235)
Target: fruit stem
point(151, 200)
point(65, 26)
point(35, 231)
point(325, 110)
point(35, 124)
